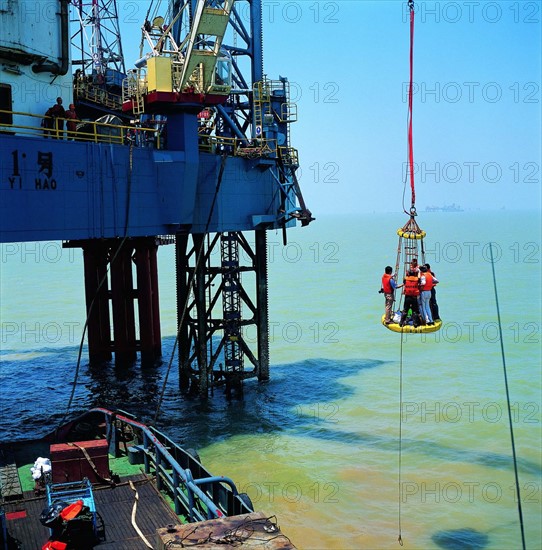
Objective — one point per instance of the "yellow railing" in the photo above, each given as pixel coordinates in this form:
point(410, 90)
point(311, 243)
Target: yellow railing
point(237, 147)
point(289, 156)
point(258, 149)
point(288, 112)
point(97, 132)
point(96, 94)
point(22, 129)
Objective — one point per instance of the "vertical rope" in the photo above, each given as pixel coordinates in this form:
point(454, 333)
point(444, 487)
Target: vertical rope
point(507, 398)
point(210, 313)
point(410, 140)
point(400, 538)
point(422, 256)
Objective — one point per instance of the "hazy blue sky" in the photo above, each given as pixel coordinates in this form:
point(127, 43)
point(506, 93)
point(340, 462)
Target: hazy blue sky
point(477, 112)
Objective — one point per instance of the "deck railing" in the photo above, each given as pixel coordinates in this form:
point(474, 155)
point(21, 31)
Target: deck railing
point(140, 136)
point(194, 491)
point(96, 94)
point(98, 132)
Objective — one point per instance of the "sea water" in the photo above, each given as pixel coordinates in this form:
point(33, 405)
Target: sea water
point(358, 437)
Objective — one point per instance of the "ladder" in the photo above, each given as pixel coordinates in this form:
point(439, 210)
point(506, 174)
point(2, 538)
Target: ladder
point(131, 91)
point(138, 104)
point(260, 97)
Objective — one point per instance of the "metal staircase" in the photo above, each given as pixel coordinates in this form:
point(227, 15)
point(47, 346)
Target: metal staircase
point(132, 91)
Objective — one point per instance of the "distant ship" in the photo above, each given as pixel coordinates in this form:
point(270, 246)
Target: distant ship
point(446, 208)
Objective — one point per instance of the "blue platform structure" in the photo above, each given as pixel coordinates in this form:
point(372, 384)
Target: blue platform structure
point(199, 155)
point(58, 190)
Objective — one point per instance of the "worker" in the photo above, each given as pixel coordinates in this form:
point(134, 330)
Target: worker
point(388, 288)
point(426, 284)
point(414, 266)
point(71, 124)
point(433, 301)
point(58, 113)
point(47, 123)
point(411, 292)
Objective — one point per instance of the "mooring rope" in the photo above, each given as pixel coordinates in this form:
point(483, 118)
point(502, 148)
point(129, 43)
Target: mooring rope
point(133, 517)
point(507, 397)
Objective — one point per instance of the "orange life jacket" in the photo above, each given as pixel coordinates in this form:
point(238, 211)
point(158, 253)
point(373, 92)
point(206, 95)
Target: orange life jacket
point(72, 510)
point(386, 285)
point(428, 281)
point(54, 545)
point(411, 286)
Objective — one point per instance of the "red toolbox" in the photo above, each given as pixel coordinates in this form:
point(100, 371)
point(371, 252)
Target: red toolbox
point(69, 463)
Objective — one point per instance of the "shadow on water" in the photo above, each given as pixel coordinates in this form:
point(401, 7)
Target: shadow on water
point(425, 447)
point(36, 392)
point(268, 407)
point(461, 539)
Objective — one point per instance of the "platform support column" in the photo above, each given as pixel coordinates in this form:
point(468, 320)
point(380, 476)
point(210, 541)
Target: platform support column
point(95, 259)
point(147, 298)
point(122, 296)
point(183, 133)
point(201, 309)
point(183, 296)
point(109, 277)
point(262, 303)
point(218, 302)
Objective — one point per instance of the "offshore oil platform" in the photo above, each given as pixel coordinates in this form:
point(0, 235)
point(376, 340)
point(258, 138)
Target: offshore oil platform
point(190, 147)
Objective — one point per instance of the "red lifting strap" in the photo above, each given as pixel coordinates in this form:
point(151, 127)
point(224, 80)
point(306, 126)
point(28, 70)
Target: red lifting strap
point(410, 146)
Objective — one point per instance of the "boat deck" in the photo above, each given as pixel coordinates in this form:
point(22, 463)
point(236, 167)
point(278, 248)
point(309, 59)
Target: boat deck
point(114, 505)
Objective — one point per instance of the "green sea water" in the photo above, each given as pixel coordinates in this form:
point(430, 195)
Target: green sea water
point(319, 444)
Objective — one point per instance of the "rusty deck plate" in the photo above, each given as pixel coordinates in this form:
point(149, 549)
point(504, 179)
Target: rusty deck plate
point(254, 530)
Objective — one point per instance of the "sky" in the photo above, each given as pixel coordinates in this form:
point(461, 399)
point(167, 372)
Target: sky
point(476, 114)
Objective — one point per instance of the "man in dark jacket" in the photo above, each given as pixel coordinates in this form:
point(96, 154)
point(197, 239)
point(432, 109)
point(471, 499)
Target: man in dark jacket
point(58, 113)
